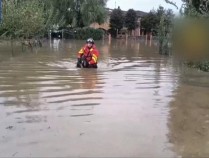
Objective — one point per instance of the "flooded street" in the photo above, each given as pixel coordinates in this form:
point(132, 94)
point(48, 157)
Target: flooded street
point(136, 104)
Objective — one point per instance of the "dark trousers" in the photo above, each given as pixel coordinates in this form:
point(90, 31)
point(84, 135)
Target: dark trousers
point(81, 63)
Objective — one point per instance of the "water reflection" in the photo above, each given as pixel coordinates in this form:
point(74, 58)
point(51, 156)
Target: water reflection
point(189, 116)
point(138, 88)
point(16, 88)
point(55, 44)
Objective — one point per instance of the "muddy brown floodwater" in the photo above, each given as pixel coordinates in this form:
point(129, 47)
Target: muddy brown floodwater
point(136, 104)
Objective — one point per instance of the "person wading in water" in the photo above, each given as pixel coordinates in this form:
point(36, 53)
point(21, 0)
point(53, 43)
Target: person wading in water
point(88, 55)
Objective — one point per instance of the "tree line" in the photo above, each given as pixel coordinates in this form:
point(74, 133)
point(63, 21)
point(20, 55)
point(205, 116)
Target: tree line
point(29, 18)
point(119, 19)
point(150, 22)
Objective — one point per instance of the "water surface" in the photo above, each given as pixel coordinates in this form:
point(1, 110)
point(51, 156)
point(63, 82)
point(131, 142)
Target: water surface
point(136, 104)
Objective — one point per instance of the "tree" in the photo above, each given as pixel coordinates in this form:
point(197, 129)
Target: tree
point(34, 17)
point(160, 11)
point(116, 20)
point(164, 31)
point(23, 19)
point(77, 13)
point(86, 12)
point(58, 12)
point(131, 20)
point(191, 5)
point(172, 3)
point(150, 22)
point(193, 8)
point(93, 11)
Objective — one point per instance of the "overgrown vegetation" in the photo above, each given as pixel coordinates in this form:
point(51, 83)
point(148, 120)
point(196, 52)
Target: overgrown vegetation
point(195, 48)
point(165, 31)
point(160, 23)
point(204, 65)
point(84, 33)
point(151, 22)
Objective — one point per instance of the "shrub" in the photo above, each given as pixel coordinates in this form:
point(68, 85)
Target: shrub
point(204, 66)
point(84, 33)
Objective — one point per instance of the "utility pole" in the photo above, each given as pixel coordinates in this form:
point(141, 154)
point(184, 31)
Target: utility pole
point(0, 11)
point(78, 12)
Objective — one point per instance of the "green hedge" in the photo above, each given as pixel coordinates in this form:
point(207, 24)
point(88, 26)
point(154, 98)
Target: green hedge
point(84, 33)
point(204, 66)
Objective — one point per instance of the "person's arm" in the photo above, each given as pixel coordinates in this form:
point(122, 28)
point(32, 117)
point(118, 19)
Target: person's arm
point(94, 58)
point(79, 55)
point(81, 52)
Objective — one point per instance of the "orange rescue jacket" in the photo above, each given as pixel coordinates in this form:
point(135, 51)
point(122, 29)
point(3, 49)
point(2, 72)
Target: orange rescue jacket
point(91, 54)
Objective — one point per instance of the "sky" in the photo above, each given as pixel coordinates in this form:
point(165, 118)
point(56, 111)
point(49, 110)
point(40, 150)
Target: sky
point(142, 5)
